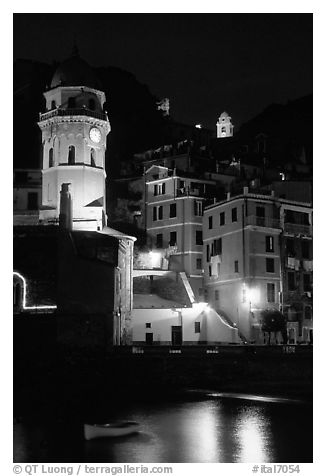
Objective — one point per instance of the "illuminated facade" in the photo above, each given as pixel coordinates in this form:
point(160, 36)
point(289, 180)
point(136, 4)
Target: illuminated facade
point(174, 209)
point(247, 263)
point(74, 129)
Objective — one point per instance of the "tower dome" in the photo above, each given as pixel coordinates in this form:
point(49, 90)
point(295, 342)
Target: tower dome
point(74, 71)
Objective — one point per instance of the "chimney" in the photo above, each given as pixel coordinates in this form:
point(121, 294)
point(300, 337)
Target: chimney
point(65, 217)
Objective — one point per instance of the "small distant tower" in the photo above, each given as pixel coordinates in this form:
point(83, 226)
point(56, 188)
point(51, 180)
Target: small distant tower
point(164, 106)
point(224, 126)
point(74, 129)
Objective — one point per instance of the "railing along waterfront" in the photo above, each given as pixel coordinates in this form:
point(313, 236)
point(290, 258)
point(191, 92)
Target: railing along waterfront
point(82, 111)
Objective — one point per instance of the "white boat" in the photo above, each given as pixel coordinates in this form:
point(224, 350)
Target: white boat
point(119, 428)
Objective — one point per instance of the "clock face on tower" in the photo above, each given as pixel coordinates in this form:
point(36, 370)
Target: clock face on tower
point(95, 134)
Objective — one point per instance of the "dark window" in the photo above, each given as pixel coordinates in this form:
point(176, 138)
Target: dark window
point(218, 246)
point(199, 237)
point(149, 338)
point(305, 249)
point(291, 281)
point(163, 188)
point(209, 270)
point(160, 213)
point(32, 201)
point(71, 155)
point(198, 263)
point(289, 216)
point(159, 240)
point(290, 247)
point(71, 103)
point(21, 177)
point(91, 104)
point(222, 218)
point(217, 295)
point(269, 240)
point(270, 267)
point(210, 222)
point(173, 238)
point(53, 105)
point(234, 212)
point(154, 213)
point(307, 312)
point(270, 292)
point(93, 163)
point(155, 189)
point(236, 266)
point(51, 157)
point(260, 214)
point(208, 255)
point(148, 325)
point(173, 210)
point(200, 291)
point(306, 282)
point(197, 327)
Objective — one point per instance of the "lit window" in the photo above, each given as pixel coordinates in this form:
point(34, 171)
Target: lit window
point(269, 241)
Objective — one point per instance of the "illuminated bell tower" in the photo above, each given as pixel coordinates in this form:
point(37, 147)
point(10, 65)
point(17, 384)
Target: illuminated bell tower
point(224, 126)
point(74, 129)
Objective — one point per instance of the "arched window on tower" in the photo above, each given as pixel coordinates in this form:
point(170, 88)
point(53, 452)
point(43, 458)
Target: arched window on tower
point(91, 104)
point(71, 155)
point(53, 105)
point(51, 157)
point(93, 162)
point(71, 103)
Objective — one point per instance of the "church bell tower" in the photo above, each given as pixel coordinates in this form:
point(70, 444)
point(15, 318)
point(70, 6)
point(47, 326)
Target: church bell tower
point(74, 129)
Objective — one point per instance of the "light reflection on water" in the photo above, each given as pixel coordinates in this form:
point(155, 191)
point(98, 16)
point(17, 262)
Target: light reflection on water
point(211, 430)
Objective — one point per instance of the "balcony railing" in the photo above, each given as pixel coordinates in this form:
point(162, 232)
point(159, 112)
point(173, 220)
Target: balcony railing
point(295, 229)
point(193, 192)
point(82, 111)
point(262, 221)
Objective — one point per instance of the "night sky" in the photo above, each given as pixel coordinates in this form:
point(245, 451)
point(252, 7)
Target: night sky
point(205, 63)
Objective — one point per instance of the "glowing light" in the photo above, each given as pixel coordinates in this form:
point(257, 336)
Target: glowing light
point(198, 126)
point(155, 257)
point(251, 295)
point(25, 292)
